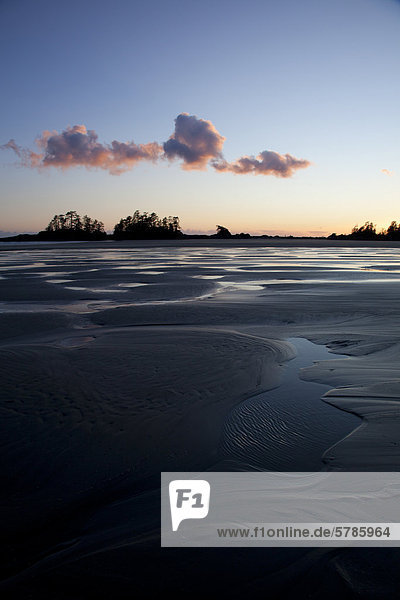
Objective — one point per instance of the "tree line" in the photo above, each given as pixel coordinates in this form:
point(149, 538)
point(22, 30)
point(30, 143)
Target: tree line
point(72, 227)
point(147, 226)
point(139, 226)
point(368, 232)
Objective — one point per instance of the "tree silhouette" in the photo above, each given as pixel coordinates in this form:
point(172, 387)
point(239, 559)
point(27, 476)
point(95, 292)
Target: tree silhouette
point(368, 232)
point(223, 232)
point(393, 231)
point(72, 226)
point(147, 226)
point(365, 232)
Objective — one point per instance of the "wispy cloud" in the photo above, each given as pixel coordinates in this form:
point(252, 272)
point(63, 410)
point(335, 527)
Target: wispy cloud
point(196, 142)
point(387, 172)
point(27, 157)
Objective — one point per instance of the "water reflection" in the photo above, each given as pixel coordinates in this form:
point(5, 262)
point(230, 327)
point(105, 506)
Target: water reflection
point(180, 274)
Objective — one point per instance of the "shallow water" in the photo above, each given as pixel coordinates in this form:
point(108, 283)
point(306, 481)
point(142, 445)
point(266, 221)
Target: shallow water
point(290, 427)
point(182, 274)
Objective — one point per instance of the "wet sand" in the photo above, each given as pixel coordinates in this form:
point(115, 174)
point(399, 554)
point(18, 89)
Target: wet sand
point(122, 360)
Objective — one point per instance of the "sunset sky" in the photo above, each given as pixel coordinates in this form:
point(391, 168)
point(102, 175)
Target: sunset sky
point(262, 116)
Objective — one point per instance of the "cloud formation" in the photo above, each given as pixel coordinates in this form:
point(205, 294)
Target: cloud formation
point(266, 163)
point(196, 142)
point(387, 172)
point(77, 146)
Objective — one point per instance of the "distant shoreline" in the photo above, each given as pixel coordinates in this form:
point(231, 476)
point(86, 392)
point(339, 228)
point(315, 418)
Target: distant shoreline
point(190, 242)
point(36, 237)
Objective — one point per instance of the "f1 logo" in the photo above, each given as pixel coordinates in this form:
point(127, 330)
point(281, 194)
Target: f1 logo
point(189, 499)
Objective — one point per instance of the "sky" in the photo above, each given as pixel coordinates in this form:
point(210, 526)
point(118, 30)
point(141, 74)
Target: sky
point(262, 116)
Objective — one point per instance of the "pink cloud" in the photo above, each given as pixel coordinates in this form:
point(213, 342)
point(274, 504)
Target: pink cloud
point(266, 163)
point(77, 146)
point(28, 157)
point(195, 141)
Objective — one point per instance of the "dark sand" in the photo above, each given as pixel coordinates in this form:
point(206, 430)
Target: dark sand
point(119, 361)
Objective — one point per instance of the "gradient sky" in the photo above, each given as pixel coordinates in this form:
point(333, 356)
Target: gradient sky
point(315, 79)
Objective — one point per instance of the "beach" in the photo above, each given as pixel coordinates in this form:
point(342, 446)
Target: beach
point(122, 360)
